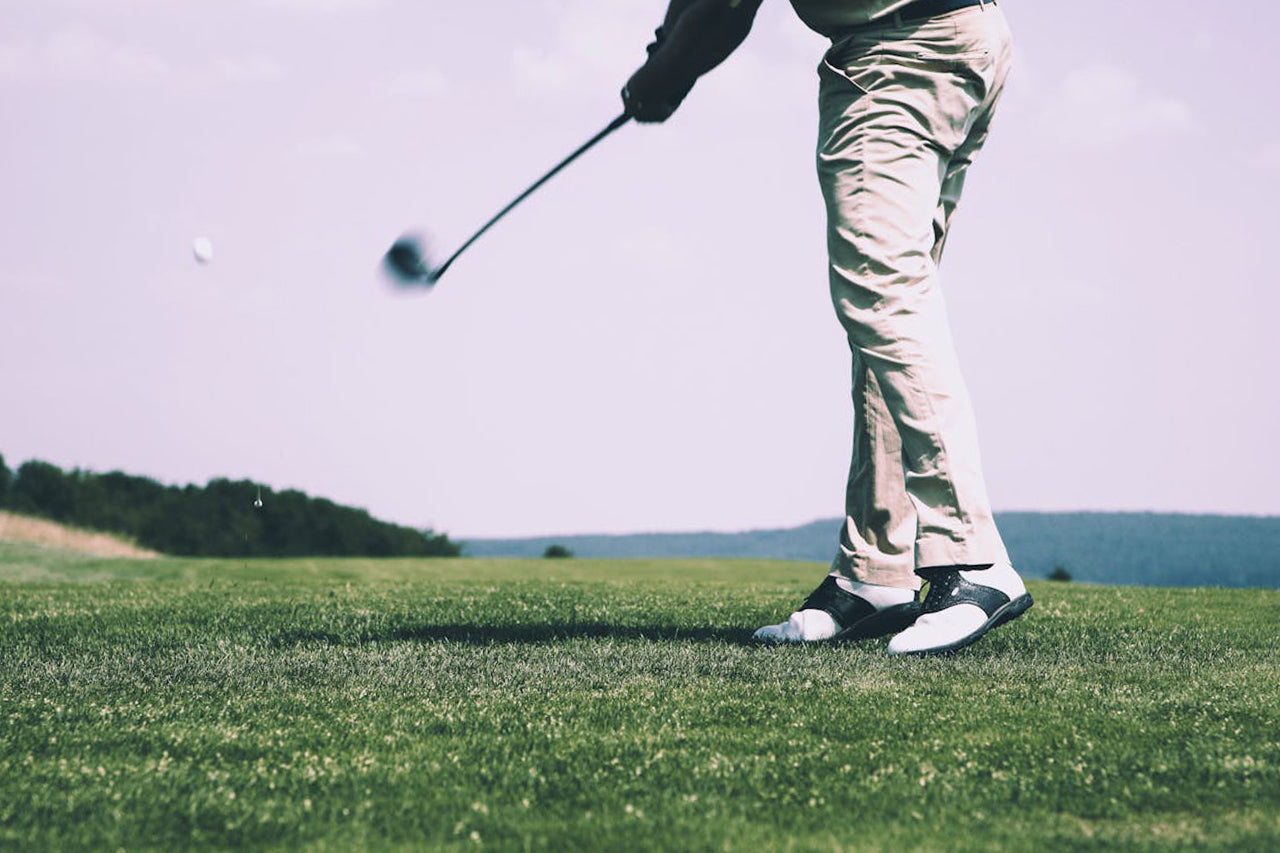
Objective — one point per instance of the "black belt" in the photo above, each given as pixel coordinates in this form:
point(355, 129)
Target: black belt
point(919, 10)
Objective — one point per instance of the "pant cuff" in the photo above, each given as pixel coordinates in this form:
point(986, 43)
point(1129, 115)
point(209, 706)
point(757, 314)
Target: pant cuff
point(900, 574)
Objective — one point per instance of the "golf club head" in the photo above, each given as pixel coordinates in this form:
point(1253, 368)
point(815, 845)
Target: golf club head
point(407, 265)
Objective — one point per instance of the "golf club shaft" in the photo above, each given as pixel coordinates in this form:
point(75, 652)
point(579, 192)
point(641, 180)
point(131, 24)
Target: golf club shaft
point(613, 125)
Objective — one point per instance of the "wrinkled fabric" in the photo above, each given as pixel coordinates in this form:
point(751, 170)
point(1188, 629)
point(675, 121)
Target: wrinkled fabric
point(903, 111)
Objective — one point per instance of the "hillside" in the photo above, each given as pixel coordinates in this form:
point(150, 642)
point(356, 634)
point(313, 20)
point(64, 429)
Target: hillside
point(222, 518)
point(1152, 549)
point(28, 530)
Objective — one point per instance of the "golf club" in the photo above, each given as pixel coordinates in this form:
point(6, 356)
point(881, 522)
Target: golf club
point(406, 260)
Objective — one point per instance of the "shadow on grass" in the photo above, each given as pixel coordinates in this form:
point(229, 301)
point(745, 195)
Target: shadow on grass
point(481, 635)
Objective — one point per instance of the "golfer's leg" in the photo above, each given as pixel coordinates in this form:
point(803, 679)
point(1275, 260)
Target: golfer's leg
point(882, 162)
point(877, 539)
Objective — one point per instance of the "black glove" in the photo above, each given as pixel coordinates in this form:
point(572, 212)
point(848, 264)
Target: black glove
point(653, 93)
point(695, 36)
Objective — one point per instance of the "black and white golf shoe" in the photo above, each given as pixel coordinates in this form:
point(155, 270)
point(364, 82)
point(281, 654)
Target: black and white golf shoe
point(832, 612)
point(962, 604)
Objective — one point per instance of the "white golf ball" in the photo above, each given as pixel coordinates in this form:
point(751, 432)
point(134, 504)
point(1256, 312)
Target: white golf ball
point(202, 248)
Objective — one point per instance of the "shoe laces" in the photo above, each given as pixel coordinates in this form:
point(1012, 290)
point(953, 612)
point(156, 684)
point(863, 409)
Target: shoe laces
point(943, 582)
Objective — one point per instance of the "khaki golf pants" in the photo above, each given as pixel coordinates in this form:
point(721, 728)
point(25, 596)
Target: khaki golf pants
point(903, 110)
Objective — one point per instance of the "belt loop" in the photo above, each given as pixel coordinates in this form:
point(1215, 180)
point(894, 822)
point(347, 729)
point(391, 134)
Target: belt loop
point(897, 20)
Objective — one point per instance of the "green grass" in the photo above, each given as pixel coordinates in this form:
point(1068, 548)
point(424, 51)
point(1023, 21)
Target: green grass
point(597, 705)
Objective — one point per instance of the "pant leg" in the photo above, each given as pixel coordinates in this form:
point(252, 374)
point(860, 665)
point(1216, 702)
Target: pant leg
point(953, 181)
point(877, 539)
point(897, 107)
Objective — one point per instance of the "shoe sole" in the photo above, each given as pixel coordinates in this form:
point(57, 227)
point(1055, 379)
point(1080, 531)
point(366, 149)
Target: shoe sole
point(890, 620)
point(1010, 611)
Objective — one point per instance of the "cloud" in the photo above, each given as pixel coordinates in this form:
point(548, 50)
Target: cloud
point(329, 148)
point(418, 84)
point(1269, 158)
point(253, 69)
point(78, 54)
point(322, 6)
point(590, 41)
point(1204, 42)
point(543, 71)
point(1101, 106)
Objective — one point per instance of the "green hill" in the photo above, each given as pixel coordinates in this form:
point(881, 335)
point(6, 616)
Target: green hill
point(1153, 549)
point(223, 518)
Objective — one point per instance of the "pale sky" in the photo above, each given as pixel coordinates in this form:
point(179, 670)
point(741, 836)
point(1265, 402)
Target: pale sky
point(647, 343)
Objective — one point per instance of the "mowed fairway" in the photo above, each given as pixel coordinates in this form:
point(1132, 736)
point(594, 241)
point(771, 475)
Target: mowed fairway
point(594, 705)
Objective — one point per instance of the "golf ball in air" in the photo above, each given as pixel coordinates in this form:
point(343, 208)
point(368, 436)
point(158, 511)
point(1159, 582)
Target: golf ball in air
point(202, 248)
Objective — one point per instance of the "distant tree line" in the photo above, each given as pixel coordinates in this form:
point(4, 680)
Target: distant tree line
point(220, 519)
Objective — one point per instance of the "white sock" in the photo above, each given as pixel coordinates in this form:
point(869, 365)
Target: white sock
point(874, 594)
